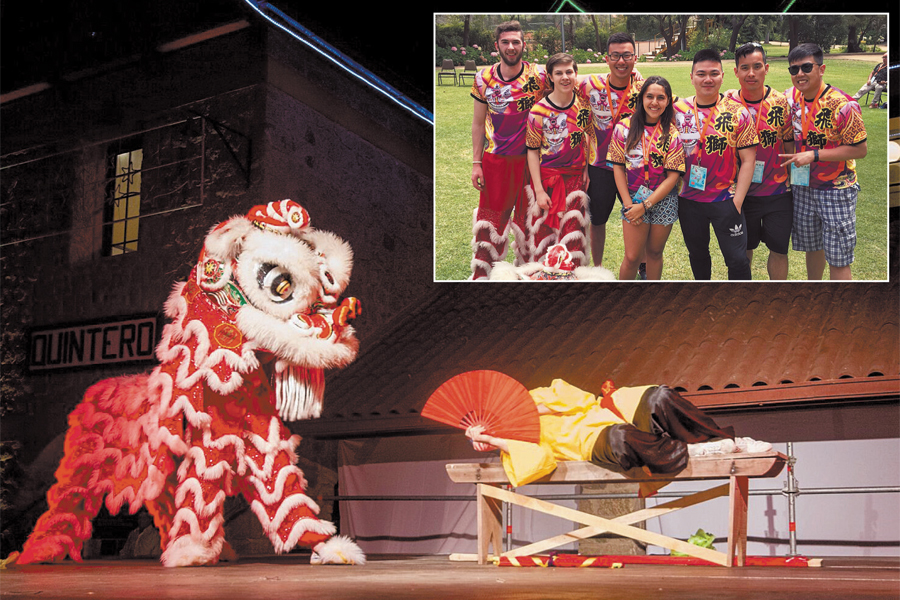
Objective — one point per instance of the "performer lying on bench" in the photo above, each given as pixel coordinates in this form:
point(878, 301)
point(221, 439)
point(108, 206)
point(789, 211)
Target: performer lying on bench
point(645, 428)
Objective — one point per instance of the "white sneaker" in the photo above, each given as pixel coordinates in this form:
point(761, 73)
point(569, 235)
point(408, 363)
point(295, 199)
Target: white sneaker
point(723, 446)
point(750, 445)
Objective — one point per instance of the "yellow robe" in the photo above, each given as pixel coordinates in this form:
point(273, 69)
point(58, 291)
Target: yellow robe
point(569, 432)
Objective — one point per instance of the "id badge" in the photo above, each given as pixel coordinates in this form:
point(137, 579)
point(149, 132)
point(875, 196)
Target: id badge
point(758, 171)
point(799, 175)
point(641, 194)
point(697, 179)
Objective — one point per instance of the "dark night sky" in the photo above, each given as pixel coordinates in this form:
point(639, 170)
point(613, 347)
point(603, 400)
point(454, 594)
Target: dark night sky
point(41, 39)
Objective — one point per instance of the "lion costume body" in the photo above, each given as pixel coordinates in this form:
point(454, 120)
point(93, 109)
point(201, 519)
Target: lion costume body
point(251, 332)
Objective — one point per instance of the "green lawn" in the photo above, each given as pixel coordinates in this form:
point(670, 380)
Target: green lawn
point(455, 198)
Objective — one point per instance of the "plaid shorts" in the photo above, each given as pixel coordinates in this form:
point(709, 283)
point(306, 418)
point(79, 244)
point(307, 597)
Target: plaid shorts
point(825, 218)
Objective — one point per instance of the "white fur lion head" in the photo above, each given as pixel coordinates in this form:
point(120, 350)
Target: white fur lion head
point(279, 281)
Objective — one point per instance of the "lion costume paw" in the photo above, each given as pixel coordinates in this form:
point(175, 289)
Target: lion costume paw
point(339, 550)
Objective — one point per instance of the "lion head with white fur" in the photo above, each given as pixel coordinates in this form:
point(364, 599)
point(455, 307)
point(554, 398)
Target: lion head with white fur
point(267, 290)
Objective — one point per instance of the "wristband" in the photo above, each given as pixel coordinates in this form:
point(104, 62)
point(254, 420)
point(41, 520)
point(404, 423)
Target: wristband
point(816, 153)
point(476, 162)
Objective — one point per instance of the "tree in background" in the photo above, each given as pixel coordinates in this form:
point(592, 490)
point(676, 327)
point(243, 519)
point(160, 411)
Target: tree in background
point(736, 22)
point(669, 27)
point(824, 30)
point(598, 44)
point(860, 26)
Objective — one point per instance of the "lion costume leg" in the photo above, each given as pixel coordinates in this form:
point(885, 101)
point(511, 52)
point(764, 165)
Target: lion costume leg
point(274, 486)
point(248, 451)
point(106, 454)
point(573, 223)
point(490, 240)
point(538, 236)
point(197, 534)
point(571, 229)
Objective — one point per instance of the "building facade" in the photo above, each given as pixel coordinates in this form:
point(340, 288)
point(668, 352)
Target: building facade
point(111, 177)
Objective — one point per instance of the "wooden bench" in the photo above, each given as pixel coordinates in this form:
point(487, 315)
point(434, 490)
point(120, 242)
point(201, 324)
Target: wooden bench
point(736, 468)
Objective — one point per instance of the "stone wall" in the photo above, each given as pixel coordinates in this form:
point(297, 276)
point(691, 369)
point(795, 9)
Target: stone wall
point(611, 508)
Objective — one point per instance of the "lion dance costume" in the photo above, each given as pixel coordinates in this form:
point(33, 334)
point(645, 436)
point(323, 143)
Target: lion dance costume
point(251, 332)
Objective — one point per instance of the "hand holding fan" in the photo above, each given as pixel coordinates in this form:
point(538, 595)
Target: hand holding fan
point(489, 398)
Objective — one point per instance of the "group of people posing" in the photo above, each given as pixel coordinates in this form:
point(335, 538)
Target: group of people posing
point(552, 150)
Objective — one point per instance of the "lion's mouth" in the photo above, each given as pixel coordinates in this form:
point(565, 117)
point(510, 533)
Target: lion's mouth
point(298, 391)
point(326, 321)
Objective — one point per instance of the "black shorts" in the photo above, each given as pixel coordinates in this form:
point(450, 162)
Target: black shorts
point(602, 192)
point(769, 220)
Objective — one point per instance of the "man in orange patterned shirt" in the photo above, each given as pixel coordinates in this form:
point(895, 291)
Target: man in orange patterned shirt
point(768, 206)
point(720, 140)
point(830, 136)
point(504, 93)
point(611, 98)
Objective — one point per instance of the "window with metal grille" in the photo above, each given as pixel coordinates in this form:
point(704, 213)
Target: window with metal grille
point(123, 206)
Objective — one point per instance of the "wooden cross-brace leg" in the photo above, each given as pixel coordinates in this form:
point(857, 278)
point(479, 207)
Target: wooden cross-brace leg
point(489, 520)
point(737, 520)
point(487, 530)
point(629, 519)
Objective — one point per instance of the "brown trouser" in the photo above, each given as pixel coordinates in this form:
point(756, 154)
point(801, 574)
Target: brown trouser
point(663, 425)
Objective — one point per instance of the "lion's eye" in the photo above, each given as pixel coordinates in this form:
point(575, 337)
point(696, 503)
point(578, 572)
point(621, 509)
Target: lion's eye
point(276, 282)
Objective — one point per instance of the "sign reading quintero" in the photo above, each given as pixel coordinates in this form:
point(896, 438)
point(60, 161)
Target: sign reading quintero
point(131, 340)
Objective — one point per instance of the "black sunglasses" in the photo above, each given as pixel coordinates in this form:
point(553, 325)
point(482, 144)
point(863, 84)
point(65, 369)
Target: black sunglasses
point(807, 68)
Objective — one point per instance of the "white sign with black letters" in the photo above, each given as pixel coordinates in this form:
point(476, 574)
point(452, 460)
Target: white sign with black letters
point(132, 340)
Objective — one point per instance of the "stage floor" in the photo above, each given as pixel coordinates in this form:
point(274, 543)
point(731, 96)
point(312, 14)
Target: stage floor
point(435, 577)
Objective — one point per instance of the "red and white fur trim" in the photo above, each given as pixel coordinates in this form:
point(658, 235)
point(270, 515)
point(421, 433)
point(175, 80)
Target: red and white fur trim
point(572, 231)
point(485, 253)
point(520, 246)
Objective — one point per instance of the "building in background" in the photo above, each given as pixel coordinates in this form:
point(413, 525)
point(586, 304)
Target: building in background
point(114, 168)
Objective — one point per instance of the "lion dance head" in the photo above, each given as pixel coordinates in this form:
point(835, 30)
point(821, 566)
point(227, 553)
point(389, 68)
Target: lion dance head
point(268, 286)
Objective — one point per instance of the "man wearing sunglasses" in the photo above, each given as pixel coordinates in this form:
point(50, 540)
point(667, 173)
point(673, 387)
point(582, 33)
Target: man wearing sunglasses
point(611, 99)
point(829, 136)
point(768, 207)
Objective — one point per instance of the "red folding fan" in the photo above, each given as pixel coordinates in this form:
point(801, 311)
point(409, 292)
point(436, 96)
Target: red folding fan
point(488, 398)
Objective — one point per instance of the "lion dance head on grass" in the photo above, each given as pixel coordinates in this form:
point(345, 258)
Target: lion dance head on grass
point(252, 331)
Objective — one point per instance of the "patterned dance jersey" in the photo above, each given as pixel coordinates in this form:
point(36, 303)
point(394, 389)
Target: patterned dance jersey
point(562, 134)
point(774, 127)
point(712, 143)
point(609, 105)
point(833, 119)
point(508, 103)
point(663, 154)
